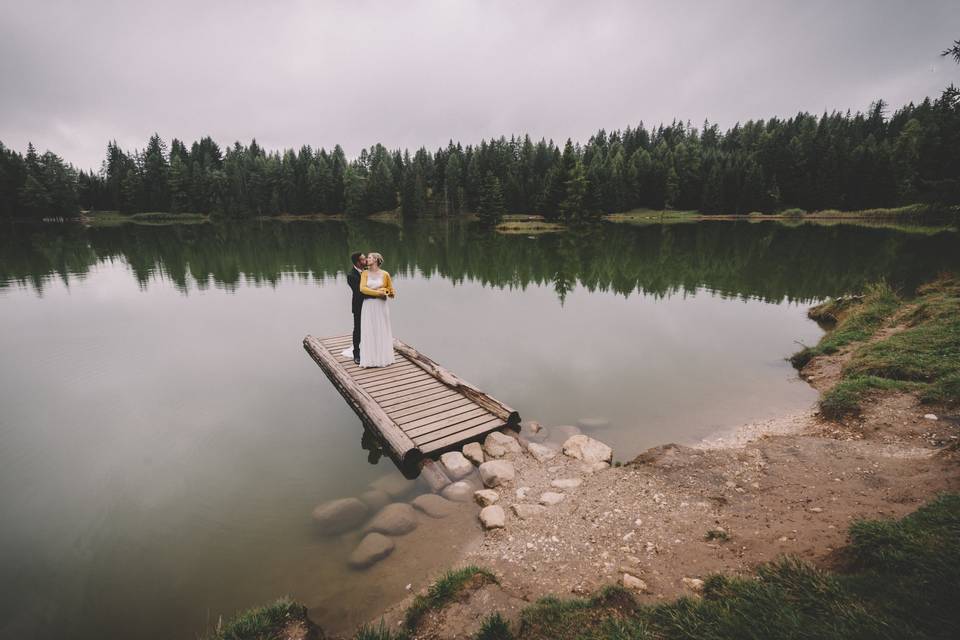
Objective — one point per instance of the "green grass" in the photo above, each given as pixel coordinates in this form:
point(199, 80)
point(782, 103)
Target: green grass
point(901, 579)
point(923, 357)
point(856, 322)
point(444, 590)
point(262, 623)
point(494, 627)
point(380, 632)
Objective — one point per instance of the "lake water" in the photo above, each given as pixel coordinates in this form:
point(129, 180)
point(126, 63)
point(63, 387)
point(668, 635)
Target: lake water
point(164, 437)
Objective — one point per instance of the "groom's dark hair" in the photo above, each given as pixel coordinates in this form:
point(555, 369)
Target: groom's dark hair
point(354, 257)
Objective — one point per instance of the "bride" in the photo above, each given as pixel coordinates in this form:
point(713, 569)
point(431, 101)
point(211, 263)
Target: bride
point(376, 335)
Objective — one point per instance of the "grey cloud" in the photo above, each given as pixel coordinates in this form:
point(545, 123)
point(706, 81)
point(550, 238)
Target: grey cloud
point(76, 74)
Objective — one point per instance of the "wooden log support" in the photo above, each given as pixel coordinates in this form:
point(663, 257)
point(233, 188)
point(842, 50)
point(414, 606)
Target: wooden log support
point(451, 379)
point(362, 403)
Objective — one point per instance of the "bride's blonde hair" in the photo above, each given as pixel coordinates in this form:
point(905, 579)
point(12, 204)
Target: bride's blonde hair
point(376, 256)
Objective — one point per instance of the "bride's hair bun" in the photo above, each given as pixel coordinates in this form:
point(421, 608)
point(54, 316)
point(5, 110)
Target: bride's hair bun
point(376, 256)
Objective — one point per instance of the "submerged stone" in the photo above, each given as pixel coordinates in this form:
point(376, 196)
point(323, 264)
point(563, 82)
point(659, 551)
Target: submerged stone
point(460, 491)
point(340, 515)
point(394, 519)
point(373, 548)
point(433, 505)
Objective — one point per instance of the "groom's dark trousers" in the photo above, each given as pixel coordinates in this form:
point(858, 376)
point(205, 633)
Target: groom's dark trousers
point(353, 279)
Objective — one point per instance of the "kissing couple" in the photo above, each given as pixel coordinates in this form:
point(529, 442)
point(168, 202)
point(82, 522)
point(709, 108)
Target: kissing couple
point(372, 333)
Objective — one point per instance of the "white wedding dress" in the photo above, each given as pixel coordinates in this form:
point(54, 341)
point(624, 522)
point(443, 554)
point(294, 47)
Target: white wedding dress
point(376, 335)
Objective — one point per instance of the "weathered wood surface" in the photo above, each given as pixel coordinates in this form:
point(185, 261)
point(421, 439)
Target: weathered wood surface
point(416, 406)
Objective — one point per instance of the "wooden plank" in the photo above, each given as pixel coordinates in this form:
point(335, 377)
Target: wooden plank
point(434, 423)
point(450, 379)
point(395, 381)
point(414, 399)
point(440, 408)
point(340, 341)
point(447, 402)
point(462, 436)
point(457, 429)
point(388, 394)
point(371, 374)
point(362, 402)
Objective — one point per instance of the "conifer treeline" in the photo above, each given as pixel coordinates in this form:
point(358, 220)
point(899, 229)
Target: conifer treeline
point(837, 160)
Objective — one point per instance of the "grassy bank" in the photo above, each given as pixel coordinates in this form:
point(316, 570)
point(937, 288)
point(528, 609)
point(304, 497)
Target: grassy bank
point(897, 344)
point(896, 579)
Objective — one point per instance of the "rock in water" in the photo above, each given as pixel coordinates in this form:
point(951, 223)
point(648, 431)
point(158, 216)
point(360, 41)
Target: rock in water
point(394, 520)
point(524, 511)
point(561, 434)
point(433, 505)
point(587, 449)
point(497, 445)
point(485, 497)
point(456, 465)
point(373, 548)
point(474, 453)
point(493, 517)
point(341, 515)
point(394, 484)
point(591, 424)
point(460, 491)
point(533, 426)
point(375, 499)
point(496, 472)
point(542, 452)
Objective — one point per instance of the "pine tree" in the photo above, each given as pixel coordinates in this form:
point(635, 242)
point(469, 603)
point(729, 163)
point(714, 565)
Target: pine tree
point(575, 190)
point(491, 200)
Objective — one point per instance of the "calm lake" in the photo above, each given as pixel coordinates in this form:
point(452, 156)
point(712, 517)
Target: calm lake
point(164, 437)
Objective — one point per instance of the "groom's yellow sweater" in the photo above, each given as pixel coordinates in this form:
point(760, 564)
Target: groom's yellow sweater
point(387, 284)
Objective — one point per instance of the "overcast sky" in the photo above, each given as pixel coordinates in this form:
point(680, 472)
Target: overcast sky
point(74, 75)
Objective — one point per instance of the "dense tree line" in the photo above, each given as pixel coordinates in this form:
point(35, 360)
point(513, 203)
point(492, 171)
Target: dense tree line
point(836, 160)
point(771, 261)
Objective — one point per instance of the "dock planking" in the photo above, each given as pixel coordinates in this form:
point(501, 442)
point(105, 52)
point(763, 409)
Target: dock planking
point(415, 405)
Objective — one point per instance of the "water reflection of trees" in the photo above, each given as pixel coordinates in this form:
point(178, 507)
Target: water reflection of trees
point(768, 261)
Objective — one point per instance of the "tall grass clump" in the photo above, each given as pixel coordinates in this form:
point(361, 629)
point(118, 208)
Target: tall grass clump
point(444, 590)
point(262, 623)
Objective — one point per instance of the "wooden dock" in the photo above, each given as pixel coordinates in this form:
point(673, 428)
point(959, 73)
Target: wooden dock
point(416, 406)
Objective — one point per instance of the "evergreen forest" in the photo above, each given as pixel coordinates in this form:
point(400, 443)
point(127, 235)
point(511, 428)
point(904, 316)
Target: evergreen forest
point(833, 161)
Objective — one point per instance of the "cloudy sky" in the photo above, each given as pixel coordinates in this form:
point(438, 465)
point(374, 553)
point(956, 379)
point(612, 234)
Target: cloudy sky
point(76, 74)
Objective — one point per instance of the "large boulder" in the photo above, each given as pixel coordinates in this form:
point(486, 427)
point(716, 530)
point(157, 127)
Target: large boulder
point(456, 465)
point(460, 491)
point(497, 472)
point(393, 520)
point(474, 453)
point(373, 548)
point(340, 515)
point(433, 505)
point(542, 452)
point(587, 449)
point(493, 517)
point(497, 445)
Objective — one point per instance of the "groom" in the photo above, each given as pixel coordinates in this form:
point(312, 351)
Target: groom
point(353, 279)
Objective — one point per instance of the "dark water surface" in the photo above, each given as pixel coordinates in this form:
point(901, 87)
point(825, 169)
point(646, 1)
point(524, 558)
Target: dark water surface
point(164, 437)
